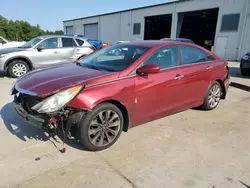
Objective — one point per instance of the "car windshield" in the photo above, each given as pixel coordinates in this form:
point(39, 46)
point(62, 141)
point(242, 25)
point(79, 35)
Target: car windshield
point(115, 58)
point(32, 42)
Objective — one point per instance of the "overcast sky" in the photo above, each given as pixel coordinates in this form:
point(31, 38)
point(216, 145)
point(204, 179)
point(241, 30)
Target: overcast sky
point(49, 14)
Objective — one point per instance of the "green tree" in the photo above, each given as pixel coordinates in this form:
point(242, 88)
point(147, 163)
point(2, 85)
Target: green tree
point(22, 30)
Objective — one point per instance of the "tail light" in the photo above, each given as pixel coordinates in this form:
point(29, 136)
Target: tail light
point(104, 44)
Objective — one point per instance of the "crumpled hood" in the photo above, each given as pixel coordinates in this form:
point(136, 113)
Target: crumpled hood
point(45, 82)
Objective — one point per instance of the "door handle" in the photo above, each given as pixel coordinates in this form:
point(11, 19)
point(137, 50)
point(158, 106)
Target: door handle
point(209, 67)
point(56, 52)
point(179, 77)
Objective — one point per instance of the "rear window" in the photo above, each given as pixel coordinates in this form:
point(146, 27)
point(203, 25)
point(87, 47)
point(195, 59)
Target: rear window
point(191, 55)
point(80, 42)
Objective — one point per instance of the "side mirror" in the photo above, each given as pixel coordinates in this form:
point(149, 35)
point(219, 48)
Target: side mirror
point(148, 69)
point(39, 48)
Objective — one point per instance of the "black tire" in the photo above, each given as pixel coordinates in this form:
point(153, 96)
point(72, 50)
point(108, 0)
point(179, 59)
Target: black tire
point(206, 104)
point(244, 72)
point(14, 63)
point(84, 125)
point(79, 58)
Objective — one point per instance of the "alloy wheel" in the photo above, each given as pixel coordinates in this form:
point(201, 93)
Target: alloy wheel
point(104, 128)
point(214, 96)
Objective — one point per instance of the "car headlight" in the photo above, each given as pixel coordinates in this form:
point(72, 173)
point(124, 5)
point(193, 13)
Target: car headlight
point(57, 101)
point(245, 57)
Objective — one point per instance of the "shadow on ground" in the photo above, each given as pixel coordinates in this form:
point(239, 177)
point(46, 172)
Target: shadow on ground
point(18, 127)
point(235, 72)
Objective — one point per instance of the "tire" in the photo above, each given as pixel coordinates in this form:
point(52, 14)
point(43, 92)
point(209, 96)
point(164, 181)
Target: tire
point(244, 72)
point(208, 104)
point(13, 68)
point(79, 58)
point(87, 131)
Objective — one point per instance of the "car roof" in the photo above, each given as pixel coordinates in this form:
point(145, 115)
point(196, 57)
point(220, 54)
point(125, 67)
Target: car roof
point(150, 43)
point(50, 36)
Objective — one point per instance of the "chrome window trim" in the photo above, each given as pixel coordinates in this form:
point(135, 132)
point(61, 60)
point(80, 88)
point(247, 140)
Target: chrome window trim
point(24, 91)
point(108, 81)
point(181, 65)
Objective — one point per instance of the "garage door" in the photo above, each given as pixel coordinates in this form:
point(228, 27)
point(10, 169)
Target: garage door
point(91, 31)
point(69, 30)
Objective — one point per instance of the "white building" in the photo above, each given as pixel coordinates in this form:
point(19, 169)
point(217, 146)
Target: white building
point(220, 25)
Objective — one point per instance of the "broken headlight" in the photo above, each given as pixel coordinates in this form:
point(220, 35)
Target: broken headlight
point(57, 101)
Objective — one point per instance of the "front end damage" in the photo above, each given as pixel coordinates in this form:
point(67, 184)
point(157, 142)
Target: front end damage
point(64, 118)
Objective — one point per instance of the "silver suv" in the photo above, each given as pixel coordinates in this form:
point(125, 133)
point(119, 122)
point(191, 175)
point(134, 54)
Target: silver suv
point(41, 52)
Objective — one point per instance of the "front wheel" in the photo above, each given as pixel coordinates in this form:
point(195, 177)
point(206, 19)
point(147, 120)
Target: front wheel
point(100, 128)
point(18, 68)
point(213, 97)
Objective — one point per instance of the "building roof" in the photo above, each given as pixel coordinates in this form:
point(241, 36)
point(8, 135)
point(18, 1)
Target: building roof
point(149, 6)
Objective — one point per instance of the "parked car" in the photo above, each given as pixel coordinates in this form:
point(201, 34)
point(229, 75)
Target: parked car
point(98, 44)
point(104, 95)
point(41, 52)
point(4, 43)
point(245, 65)
point(179, 39)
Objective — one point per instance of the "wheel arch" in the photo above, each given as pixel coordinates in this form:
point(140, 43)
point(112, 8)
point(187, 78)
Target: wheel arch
point(27, 60)
point(223, 96)
point(123, 110)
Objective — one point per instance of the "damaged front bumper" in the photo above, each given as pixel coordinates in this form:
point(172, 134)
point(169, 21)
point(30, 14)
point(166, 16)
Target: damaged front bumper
point(30, 119)
point(67, 117)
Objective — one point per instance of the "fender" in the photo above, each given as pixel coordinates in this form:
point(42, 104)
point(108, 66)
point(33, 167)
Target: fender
point(18, 57)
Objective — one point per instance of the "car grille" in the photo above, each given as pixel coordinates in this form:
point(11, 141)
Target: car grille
point(27, 102)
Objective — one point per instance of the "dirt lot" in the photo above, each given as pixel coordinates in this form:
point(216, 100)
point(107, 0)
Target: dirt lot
point(191, 149)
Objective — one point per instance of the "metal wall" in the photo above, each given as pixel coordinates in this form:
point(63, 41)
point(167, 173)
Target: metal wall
point(119, 26)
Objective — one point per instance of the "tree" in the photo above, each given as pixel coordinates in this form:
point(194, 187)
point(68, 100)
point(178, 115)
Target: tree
point(22, 30)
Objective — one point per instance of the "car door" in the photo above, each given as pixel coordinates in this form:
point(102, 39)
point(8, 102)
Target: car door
point(195, 70)
point(68, 49)
point(46, 53)
point(159, 94)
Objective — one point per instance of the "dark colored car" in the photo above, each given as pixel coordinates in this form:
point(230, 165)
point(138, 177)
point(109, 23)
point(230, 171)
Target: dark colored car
point(245, 65)
point(104, 94)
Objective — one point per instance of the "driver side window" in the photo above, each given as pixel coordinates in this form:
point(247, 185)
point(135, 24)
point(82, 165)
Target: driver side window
point(51, 43)
point(165, 57)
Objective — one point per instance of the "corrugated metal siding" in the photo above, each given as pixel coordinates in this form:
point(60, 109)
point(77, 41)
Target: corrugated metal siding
point(119, 26)
point(233, 38)
point(245, 38)
point(110, 28)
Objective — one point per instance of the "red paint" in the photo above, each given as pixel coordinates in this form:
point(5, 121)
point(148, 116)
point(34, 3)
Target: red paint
point(105, 44)
point(146, 97)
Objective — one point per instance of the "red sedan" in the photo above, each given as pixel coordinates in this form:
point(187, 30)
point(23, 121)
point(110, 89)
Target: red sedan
point(107, 93)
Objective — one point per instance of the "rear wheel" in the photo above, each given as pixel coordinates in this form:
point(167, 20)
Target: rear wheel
point(101, 128)
point(18, 68)
point(213, 97)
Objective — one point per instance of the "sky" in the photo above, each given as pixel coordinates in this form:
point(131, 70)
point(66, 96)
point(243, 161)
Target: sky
point(49, 14)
